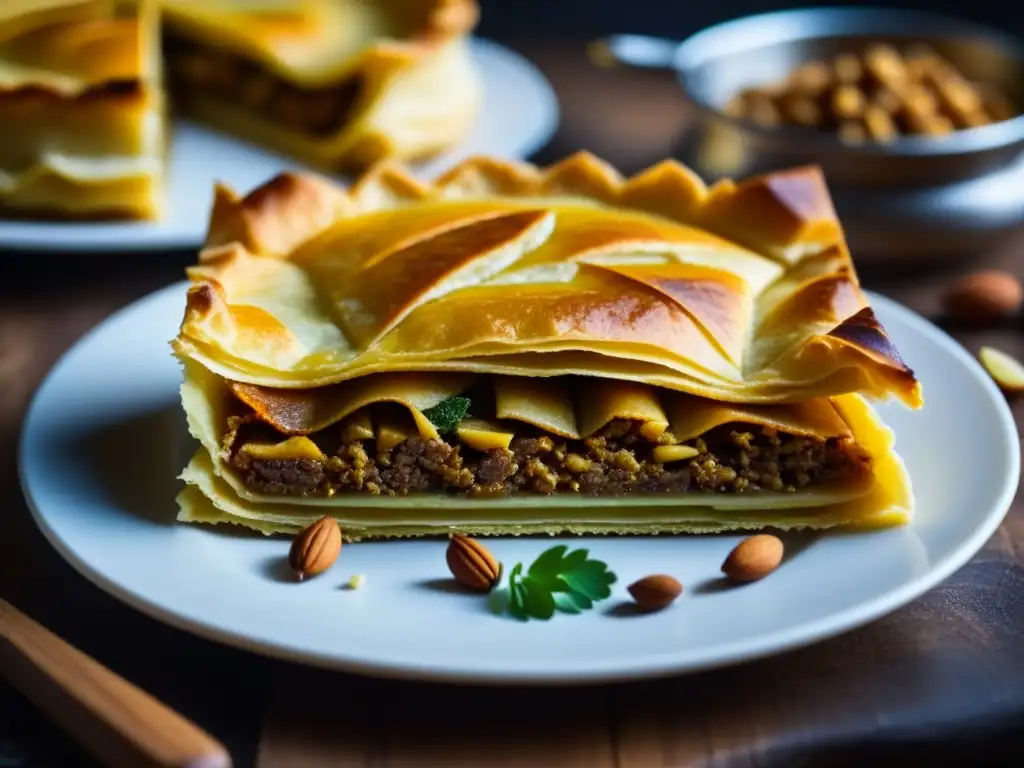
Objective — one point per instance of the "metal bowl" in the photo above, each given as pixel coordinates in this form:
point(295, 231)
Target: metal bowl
point(918, 197)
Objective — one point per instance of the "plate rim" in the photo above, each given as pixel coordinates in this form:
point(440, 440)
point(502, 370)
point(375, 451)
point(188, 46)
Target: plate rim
point(127, 242)
point(656, 665)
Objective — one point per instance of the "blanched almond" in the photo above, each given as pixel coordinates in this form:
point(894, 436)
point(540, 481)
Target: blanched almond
point(1006, 370)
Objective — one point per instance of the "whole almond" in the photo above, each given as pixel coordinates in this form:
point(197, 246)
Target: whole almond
point(315, 548)
point(753, 558)
point(652, 593)
point(472, 564)
point(984, 297)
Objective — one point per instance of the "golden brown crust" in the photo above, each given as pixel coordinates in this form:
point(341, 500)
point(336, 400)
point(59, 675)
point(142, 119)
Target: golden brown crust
point(774, 214)
point(787, 214)
point(275, 217)
point(793, 312)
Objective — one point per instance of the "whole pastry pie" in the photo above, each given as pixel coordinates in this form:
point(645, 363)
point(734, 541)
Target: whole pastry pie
point(336, 84)
point(512, 349)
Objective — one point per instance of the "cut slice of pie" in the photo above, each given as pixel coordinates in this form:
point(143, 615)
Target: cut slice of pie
point(338, 84)
point(81, 109)
point(512, 349)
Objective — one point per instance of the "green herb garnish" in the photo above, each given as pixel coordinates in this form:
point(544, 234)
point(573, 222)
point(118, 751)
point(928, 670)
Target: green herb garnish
point(447, 414)
point(558, 581)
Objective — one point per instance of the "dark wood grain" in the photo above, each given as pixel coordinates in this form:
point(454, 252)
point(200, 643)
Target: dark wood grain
point(939, 682)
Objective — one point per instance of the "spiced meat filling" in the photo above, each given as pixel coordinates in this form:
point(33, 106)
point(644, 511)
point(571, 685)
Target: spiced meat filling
point(194, 69)
point(733, 458)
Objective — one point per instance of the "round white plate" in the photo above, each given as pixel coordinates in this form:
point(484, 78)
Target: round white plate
point(518, 116)
point(104, 440)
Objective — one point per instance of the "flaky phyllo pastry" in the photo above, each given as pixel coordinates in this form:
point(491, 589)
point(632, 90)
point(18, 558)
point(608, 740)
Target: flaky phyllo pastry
point(81, 109)
point(515, 350)
point(85, 86)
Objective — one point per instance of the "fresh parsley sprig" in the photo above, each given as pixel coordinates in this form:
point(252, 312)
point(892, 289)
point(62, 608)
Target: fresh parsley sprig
point(558, 580)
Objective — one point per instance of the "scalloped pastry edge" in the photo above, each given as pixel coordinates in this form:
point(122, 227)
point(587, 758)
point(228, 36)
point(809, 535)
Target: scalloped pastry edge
point(787, 216)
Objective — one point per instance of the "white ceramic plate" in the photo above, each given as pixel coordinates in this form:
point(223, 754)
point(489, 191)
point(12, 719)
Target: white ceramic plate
point(104, 440)
point(519, 115)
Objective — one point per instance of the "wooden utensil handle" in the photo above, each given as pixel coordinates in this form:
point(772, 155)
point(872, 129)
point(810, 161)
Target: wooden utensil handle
point(118, 723)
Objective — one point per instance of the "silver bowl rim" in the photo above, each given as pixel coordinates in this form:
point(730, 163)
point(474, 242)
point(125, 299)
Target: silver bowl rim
point(835, 22)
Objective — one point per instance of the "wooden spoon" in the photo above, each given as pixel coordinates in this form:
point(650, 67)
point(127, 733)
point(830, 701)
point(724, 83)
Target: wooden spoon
point(119, 724)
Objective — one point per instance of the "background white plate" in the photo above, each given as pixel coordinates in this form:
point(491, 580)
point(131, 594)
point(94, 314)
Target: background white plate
point(518, 116)
point(104, 440)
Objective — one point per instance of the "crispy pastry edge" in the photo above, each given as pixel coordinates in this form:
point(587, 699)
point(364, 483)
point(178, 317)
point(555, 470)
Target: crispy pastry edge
point(776, 214)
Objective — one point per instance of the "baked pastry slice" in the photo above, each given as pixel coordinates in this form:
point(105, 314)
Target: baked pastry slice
point(81, 109)
point(337, 84)
point(511, 349)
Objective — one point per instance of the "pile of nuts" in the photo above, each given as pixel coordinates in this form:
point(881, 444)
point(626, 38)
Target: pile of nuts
point(877, 95)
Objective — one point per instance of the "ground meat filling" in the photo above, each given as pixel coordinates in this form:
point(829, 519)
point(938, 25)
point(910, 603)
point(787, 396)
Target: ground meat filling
point(731, 459)
point(195, 69)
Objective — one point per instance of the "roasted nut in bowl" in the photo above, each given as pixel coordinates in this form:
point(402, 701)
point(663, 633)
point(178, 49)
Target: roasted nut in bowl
point(914, 117)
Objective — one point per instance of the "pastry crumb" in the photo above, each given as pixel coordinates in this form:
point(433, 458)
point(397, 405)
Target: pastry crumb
point(356, 581)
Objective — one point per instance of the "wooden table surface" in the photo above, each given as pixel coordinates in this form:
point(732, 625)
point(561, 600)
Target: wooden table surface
point(938, 682)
